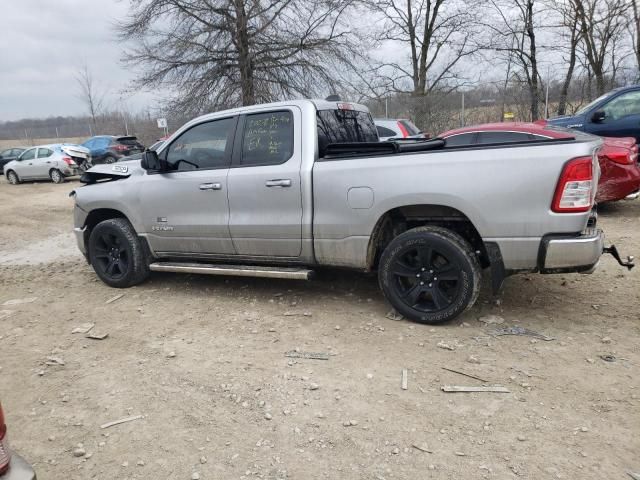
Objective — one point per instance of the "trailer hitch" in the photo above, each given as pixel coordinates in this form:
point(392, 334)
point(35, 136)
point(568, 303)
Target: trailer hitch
point(614, 252)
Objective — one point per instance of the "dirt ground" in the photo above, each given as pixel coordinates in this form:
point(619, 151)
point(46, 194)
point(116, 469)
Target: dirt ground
point(202, 360)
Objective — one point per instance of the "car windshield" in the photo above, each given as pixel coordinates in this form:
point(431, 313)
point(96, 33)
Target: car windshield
point(590, 105)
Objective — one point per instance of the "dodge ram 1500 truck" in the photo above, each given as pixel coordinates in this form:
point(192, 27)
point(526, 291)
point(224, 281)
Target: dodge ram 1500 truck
point(274, 190)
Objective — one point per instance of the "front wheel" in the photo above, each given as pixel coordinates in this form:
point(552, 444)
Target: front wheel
point(117, 254)
point(12, 177)
point(429, 274)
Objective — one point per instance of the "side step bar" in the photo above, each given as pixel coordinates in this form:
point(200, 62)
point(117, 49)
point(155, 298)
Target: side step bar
point(233, 270)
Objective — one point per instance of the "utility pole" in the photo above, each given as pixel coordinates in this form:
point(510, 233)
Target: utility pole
point(546, 96)
point(386, 107)
point(462, 111)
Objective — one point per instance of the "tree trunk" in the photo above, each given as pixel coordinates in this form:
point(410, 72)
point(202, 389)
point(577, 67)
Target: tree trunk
point(533, 87)
point(564, 91)
point(244, 55)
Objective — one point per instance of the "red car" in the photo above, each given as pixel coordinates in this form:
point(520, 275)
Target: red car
point(618, 158)
point(12, 467)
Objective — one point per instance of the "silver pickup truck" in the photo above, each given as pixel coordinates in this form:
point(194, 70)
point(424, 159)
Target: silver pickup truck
point(275, 190)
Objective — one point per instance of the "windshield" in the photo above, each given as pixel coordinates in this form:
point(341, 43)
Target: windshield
point(590, 105)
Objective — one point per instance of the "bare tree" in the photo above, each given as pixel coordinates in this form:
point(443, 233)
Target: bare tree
point(221, 53)
point(602, 23)
point(568, 36)
point(90, 95)
point(635, 34)
point(512, 33)
point(433, 35)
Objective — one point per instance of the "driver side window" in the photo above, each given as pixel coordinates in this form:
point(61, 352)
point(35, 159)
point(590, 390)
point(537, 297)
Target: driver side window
point(202, 147)
point(29, 154)
point(622, 106)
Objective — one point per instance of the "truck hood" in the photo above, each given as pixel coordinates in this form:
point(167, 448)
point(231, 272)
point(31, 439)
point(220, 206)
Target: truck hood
point(111, 171)
point(569, 121)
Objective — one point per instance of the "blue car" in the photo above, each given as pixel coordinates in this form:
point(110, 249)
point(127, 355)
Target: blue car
point(614, 114)
point(111, 148)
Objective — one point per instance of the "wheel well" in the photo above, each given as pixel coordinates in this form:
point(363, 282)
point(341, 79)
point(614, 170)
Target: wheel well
point(97, 216)
point(401, 219)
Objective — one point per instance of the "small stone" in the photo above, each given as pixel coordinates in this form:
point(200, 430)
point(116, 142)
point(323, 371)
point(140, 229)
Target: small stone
point(337, 327)
point(353, 422)
point(473, 359)
point(51, 438)
point(203, 460)
point(171, 354)
point(195, 476)
point(369, 376)
point(606, 340)
point(140, 463)
point(125, 464)
point(79, 452)
point(395, 451)
point(446, 346)
point(521, 438)
point(87, 456)
point(584, 429)
point(460, 454)
point(268, 416)
point(314, 386)
point(491, 320)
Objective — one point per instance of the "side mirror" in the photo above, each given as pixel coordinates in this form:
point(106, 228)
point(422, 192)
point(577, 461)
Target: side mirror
point(150, 161)
point(598, 116)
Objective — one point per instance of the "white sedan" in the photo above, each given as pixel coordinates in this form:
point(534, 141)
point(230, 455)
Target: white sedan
point(54, 162)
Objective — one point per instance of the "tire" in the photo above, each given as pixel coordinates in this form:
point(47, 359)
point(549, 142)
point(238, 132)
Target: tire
point(56, 176)
point(110, 159)
point(430, 274)
point(117, 254)
point(12, 177)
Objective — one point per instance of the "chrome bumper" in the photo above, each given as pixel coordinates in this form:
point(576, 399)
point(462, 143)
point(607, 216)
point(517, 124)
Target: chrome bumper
point(572, 254)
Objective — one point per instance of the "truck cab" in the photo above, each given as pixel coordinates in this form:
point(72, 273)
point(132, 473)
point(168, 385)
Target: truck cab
point(614, 114)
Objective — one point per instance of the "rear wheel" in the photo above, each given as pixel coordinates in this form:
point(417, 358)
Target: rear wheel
point(110, 159)
point(12, 177)
point(117, 254)
point(429, 274)
point(56, 176)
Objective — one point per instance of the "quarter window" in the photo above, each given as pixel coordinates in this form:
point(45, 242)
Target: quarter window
point(460, 140)
point(502, 137)
point(201, 147)
point(267, 138)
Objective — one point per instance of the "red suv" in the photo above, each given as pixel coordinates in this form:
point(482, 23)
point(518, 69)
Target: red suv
point(12, 467)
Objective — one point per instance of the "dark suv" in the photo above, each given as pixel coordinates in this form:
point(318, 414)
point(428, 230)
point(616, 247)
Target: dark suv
point(9, 155)
point(110, 148)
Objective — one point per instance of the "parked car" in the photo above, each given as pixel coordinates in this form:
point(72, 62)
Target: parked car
point(12, 466)
point(9, 155)
point(110, 148)
point(276, 190)
point(391, 129)
point(614, 114)
point(138, 156)
point(618, 159)
point(43, 162)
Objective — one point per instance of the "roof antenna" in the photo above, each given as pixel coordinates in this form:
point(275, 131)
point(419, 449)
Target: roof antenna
point(333, 98)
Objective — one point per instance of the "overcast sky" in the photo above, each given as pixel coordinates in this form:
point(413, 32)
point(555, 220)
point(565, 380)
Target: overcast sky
point(42, 45)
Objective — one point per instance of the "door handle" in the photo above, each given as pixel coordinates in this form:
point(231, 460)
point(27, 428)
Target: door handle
point(210, 186)
point(281, 182)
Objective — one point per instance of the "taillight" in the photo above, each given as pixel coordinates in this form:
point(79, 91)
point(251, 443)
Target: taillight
point(5, 453)
point(405, 132)
point(574, 192)
point(622, 156)
point(68, 160)
point(120, 148)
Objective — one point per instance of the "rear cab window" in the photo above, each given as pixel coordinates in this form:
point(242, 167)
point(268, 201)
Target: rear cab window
point(344, 126)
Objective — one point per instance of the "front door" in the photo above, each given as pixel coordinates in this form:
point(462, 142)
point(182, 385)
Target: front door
point(24, 167)
point(42, 163)
point(622, 117)
point(186, 210)
point(265, 198)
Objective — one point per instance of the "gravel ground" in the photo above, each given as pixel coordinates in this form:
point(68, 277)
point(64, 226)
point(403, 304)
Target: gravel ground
point(202, 360)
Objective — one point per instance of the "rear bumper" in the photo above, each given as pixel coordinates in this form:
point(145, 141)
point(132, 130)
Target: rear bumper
point(571, 254)
point(19, 469)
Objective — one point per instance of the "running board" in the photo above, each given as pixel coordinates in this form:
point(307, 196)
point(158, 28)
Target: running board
point(233, 270)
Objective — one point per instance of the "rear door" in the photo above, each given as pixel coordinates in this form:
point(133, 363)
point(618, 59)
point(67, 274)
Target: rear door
point(42, 163)
point(265, 199)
